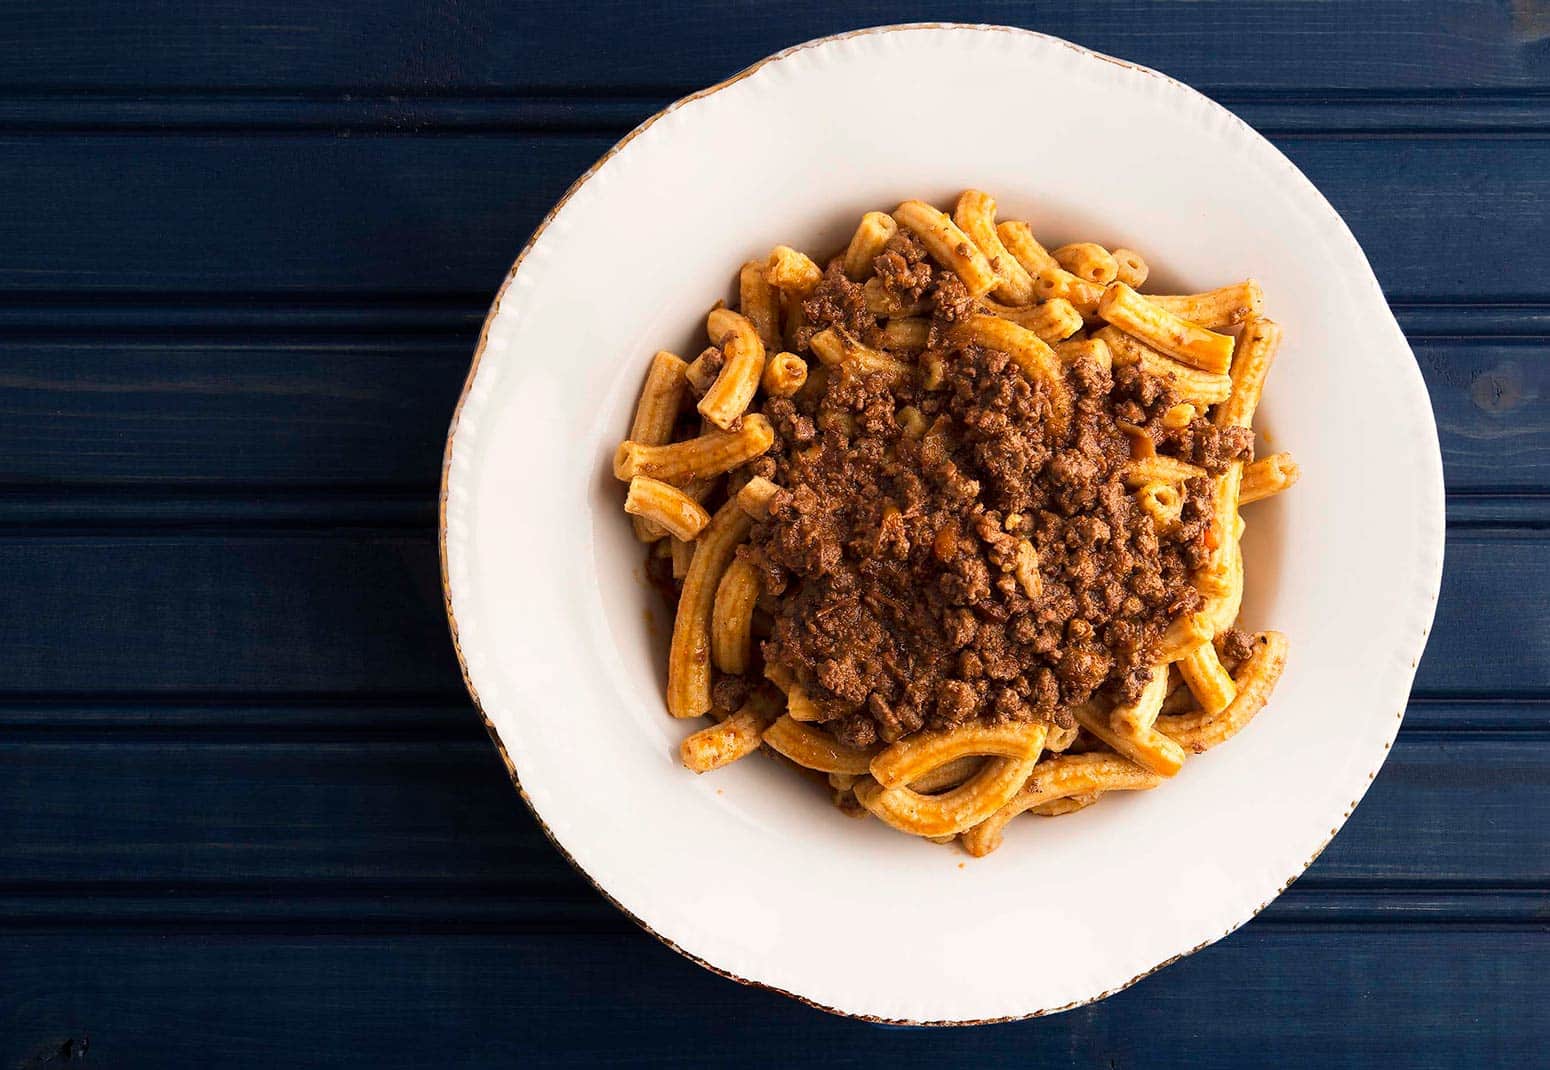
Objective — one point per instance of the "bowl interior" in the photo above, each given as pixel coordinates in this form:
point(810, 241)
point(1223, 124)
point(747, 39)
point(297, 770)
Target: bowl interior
point(750, 868)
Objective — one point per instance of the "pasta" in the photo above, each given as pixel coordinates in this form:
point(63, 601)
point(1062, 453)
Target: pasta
point(961, 358)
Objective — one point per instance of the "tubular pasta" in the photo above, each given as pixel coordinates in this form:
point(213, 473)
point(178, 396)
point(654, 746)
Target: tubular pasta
point(1255, 679)
point(666, 506)
point(813, 748)
point(727, 398)
point(902, 762)
point(722, 744)
point(1267, 476)
point(710, 454)
point(688, 659)
point(976, 217)
point(1033, 357)
point(1088, 260)
point(1226, 306)
point(874, 232)
point(948, 245)
point(731, 630)
point(1180, 339)
point(655, 413)
point(759, 303)
point(952, 811)
point(1053, 321)
point(1059, 778)
point(1195, 386)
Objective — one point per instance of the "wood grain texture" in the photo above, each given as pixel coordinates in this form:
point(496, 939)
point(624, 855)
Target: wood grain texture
point(368, 411)
point(329, 813)
point(1264, 997)
point(449, 213)
point(247, 814)
point(487, 46)
point(331, 612)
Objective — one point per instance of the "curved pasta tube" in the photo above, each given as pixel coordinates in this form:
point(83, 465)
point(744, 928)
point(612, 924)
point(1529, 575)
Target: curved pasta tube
point(655, 414)
point(1075, 350)
point(1069, 805)
point(948, 245)
point(756, 497)
point(947, 775)
point(707, 455)
point(1198, 387)
point(1162, 502)
point(1226, 306)
point(835, 347)
point(1088, 260)
point(1159, 468)
point(880, 301)
point(728, 397)
point(784, 374)
point(688, 659)
point(975, 215)
point(1186, 342)
point(1053, 321)
point(1211, 684)
point(1131, 267)
point(1033, 357)
point(759, 303)
point(792, 272)
point(665, 506)
point(916, 754)
point(1050, 280)
point(1059, 778)
point(1148, 748)
point(722, 744)
point(952, 811)
point(875, 230)
point(813, 748)
point(1183, 635)
point(1255, 679)
point(908, 334)
point(1257, 345)
point(1215, 577)
point(731, 628)
point(1136, 718)
point(1267, 476)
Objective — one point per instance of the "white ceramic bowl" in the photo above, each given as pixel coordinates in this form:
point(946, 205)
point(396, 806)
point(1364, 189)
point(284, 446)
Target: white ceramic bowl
point(751, 871)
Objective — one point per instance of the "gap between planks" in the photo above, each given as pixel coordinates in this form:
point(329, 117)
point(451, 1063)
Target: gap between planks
point(1305, 113)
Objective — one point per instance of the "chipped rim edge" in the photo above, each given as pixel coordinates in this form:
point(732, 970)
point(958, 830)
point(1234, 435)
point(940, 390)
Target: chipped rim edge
point(489, 725)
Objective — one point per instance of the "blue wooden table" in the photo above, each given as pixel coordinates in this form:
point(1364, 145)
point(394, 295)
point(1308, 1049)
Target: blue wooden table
point(247, 814)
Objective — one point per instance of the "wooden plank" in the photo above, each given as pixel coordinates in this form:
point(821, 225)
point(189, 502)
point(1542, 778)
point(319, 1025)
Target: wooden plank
point(1489, 636)
point(449, 213)
point(1330, 112)
point(1492, 405)
point(1265, 996)
point(304, 413)
point(334, 612)
point(369, 413)
point(485, 46)
point(328, 813)
point(299, 614)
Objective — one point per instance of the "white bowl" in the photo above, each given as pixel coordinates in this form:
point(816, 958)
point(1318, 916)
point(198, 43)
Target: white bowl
point(750, 870)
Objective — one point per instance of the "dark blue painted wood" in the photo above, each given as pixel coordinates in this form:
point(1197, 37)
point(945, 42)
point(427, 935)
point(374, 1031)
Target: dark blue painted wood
point(493, 46)
point(179, 213)
point(344, 611)
point(250, 812)
point(247, 816)
point(367, 412)
point(1421, 998)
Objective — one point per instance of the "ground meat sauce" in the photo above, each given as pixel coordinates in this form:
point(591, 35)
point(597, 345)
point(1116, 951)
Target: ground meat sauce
point(895, 563)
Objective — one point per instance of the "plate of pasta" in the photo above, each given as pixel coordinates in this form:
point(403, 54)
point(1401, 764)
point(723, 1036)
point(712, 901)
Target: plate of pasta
point(933, 564)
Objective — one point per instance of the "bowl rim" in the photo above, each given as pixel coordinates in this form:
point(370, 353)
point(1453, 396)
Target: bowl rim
point(1433, 587)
